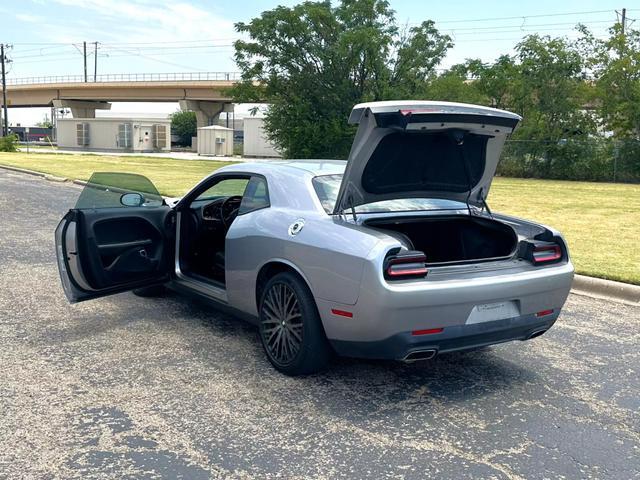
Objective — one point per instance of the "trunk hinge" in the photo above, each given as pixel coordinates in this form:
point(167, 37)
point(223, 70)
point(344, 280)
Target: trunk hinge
point(353, 209)
point(485, 205)
point(346, 205)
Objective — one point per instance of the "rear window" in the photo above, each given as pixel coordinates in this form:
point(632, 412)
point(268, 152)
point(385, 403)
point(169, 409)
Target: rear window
point(327, 186)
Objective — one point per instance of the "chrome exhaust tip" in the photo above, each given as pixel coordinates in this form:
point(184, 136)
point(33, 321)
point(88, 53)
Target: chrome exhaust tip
point(418, 355)
point(537, 333)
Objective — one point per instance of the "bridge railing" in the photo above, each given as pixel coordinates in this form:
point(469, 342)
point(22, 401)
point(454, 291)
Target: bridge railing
point(128, 77)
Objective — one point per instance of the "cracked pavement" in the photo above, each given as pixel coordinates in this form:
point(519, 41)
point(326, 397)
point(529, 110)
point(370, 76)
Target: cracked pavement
point(128, 387)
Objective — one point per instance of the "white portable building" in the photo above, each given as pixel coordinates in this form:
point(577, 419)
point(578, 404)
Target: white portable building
point(115, 134)
point(215, 140)
point(256, 143)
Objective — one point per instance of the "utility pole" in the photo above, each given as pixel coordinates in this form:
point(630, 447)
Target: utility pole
point(95, 62)
point(624, 20)
point(5, 126)
point(84, 44)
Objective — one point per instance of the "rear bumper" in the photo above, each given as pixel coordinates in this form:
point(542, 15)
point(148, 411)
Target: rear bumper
point(451, 339)
point(385, 311)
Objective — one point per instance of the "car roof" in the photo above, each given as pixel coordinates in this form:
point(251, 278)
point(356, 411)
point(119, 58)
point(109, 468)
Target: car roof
point(291, 167)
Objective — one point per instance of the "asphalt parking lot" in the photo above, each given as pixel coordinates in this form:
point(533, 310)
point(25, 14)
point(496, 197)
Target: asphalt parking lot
point(126, 387)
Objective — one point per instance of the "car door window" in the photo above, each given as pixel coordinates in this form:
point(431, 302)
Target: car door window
point(125, 190)
point(225, 188)
point(256, 196)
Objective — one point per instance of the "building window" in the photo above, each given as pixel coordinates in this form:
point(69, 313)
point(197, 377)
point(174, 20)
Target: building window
point(82, 134)
point(124, 135)
point(159, 136)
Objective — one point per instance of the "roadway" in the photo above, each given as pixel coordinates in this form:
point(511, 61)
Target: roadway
point(126, 387)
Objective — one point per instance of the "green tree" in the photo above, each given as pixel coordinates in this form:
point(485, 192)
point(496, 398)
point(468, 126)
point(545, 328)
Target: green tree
point(183, 124)
point(456, 85)
point(312, 62)
point(545, 82)
point(45, 123)
point(551, 91)
point(616, 65)
point(496, 80)
point(9, 143)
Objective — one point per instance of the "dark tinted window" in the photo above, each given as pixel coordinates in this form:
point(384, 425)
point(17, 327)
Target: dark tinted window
point(105, 189)
point(256, 196)
point(225, 188)
point(408, 161)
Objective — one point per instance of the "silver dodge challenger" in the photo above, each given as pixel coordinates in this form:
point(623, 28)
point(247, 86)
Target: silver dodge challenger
point(393, 254)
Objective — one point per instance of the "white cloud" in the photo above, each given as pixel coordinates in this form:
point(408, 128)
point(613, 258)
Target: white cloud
point(142, 21)
point(25, 17)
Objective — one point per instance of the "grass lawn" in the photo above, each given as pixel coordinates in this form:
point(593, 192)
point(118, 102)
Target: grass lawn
point(601, 221)
point(171, 177)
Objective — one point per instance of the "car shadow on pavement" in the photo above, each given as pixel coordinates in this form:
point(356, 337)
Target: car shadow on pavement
point(451, 377)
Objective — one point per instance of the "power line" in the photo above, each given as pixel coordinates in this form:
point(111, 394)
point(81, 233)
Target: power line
point(41, 49)
point(474, 29)
point(523, 31)
point(160, 61)
point(174, 41)
point(511, 39)
point(123, 55)
point(155, 49)
point(520, 17)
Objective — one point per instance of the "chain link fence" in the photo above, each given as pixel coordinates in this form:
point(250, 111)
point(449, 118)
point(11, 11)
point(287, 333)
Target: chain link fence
point(594, 159)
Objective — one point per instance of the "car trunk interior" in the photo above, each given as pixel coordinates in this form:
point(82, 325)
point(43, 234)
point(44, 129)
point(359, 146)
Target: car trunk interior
point(449, 239)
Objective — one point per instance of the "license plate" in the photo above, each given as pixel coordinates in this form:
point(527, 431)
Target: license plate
point(489, 312)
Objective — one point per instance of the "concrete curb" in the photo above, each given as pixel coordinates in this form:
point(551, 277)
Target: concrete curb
point(607, 289)
point(46, 176)
point(24, 170)
point(53, 178)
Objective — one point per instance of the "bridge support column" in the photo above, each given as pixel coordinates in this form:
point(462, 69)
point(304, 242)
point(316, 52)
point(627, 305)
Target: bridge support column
point(207, 112)
point(81, 108)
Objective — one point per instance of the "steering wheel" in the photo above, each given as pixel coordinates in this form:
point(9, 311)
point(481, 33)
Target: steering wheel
point(229, 209)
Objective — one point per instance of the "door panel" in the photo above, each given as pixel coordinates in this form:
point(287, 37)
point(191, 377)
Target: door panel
point(110, 250)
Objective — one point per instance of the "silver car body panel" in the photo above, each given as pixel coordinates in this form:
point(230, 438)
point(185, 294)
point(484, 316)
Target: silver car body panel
point(341, 261)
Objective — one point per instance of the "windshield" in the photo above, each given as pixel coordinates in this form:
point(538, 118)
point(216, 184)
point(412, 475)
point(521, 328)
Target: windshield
point(327, 187)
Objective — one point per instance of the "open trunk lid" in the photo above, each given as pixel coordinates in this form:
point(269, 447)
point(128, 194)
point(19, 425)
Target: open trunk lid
point(422, 149)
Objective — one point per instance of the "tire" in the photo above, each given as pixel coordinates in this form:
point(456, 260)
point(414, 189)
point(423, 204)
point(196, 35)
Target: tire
point(294, 342)
point(152, 291)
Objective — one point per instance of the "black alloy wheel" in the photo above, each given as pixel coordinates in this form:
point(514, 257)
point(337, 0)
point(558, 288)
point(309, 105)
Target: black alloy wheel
point(282, 323)
point(291, 331)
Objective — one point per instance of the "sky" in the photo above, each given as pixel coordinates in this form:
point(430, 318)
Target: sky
point(154, 36)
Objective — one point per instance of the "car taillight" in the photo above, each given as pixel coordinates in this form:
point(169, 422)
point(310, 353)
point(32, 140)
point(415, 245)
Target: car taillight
point(539, 252)
point(405, 264)
point(546, 253)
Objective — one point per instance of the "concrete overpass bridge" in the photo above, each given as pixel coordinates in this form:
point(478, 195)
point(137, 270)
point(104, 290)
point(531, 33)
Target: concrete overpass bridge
point(204, 93)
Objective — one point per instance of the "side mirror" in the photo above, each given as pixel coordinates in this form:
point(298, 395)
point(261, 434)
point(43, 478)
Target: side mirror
point(132, 200)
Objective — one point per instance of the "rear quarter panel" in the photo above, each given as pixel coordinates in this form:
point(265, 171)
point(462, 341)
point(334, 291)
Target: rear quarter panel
point(328, 253)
